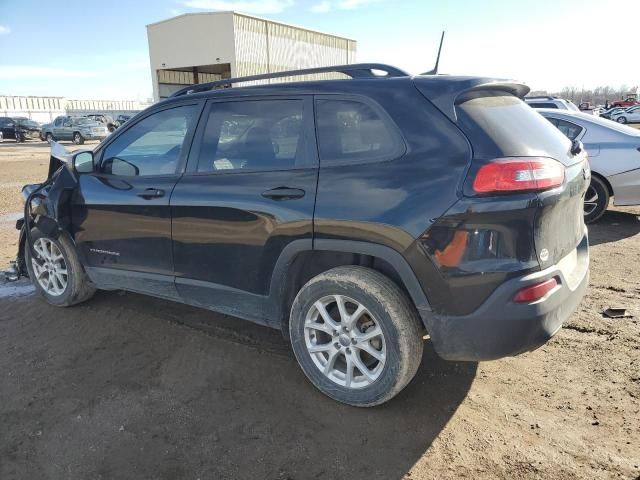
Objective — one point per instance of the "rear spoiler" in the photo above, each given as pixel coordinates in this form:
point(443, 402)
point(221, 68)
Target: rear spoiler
point(446, 91)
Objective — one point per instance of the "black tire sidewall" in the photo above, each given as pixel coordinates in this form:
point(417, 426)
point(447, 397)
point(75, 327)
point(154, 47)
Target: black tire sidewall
point(603, 200)
point(389, 377)
point(72, 276)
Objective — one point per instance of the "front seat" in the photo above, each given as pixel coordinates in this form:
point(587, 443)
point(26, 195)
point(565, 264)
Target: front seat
point(258, 148)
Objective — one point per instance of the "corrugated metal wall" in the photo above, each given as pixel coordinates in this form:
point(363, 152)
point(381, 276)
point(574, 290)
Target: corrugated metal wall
point(45, 109)
point(263, 46)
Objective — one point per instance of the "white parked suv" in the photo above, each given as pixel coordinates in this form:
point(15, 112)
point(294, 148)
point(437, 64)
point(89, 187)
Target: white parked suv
point(551, 102)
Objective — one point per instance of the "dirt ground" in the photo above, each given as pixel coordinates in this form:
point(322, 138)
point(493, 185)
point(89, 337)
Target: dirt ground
point(127, 386)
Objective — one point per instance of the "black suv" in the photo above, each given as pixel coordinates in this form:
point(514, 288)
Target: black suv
point(355, 215)
point(20, 129)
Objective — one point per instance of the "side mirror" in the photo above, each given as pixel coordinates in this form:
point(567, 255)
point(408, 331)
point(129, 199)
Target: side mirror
point(83, 162)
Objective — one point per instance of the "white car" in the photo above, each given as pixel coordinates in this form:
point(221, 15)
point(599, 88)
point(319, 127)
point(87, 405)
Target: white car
point(551, 102)
point(614, 156)
point(630, 115)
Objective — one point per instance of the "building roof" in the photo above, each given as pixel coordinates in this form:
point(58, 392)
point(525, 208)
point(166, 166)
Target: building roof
point(233, 12)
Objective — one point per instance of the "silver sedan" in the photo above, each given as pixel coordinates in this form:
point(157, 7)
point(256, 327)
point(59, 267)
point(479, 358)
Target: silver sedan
point(614, 155)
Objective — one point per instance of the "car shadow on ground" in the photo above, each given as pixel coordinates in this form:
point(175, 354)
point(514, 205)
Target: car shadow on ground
point(128, 383)
point(614, 225)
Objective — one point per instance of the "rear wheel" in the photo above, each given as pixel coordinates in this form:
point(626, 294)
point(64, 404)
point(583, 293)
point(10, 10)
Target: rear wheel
point(621, 119)
point(356, 335)
point(78, 139)
point(56, 272)
point(596, 200)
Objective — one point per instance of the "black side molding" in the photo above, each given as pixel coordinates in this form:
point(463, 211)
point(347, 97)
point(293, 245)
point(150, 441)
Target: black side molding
point(392, 257)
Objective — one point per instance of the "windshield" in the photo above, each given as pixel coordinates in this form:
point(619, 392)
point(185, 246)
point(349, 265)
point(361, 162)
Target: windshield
point(25, 122)
point(500, 125)
point(572, 106)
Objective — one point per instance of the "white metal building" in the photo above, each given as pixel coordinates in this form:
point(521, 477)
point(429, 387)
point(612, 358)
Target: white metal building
point(203, 47)
point(45, 109)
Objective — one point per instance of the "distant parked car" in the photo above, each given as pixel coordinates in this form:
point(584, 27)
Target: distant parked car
point(121, 120)
point(106, 120)
point(19, 129)
point(551, 102)
point(612, 111)
point(614, 154)
point(630, 115)
point(76, 129)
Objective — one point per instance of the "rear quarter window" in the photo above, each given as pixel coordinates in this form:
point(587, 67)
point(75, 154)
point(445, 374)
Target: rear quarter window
point(351, 131)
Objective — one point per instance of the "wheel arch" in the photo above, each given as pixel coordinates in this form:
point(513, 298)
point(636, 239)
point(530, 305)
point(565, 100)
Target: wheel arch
point(301, 260)
point(605, 181)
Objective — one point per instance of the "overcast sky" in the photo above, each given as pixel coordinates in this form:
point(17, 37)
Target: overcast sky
point(89, 49)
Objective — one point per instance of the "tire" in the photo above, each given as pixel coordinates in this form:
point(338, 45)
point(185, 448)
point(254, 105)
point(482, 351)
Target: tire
point(78, 139)
point(49, 137)
point(596, 200)
point(388, 313)
point(621, 119)
point(78, 287)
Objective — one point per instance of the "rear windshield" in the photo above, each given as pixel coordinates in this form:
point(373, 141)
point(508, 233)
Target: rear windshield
point(501, 125)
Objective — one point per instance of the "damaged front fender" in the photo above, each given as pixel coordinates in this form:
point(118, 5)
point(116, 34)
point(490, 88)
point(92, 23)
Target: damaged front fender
point(47, 205)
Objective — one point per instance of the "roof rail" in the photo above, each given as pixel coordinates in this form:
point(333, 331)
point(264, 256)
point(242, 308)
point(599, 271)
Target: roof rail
point(355, 70)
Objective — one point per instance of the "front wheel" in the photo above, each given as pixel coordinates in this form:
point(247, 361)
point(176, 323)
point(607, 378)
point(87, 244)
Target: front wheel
point(49, 137)
point(78, 139)
point(356, 335)
point(56, 272)
point(621, 119)
point(596, 200)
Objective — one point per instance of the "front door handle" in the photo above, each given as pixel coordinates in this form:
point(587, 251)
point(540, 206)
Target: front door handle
point(149, 193)
point(283, 193)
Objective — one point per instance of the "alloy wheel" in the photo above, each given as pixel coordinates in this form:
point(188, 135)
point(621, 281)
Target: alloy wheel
point(345, 341)
point(50, 267)
point(590, 200)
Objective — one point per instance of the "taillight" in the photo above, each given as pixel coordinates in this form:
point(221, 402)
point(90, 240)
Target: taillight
point(518, 174)
point(535, 292)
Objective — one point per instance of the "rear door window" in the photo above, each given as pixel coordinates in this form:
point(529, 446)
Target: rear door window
point(253, 135)
point(353, 131)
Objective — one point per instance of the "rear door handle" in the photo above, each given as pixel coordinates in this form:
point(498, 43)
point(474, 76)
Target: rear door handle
point(149, 193)
point(283, 193)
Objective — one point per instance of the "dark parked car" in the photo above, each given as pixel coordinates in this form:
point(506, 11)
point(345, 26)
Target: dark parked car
point(19, 129)
point(354, 215)
point(121, 120)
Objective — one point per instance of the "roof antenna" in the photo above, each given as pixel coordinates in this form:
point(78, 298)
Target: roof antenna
point(435, 69)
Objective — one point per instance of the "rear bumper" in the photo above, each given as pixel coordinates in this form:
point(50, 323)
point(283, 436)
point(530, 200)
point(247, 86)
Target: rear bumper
point(95, 136)
point(501, 328)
